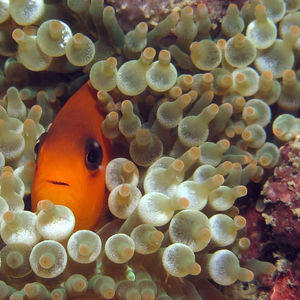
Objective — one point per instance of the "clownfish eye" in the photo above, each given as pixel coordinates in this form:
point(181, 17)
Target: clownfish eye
point(39, 142)
point(93, 154)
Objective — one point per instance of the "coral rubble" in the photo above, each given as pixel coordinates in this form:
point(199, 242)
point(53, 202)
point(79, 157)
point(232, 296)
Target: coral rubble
point(194, 118)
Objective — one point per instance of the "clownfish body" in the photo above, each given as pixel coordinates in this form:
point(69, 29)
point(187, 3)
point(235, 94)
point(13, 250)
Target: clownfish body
point(72, 159)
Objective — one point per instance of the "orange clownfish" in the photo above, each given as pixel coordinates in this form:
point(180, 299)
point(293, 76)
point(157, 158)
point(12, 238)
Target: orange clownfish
point(72, 158)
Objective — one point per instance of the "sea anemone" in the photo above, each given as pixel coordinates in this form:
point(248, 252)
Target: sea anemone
point(189, 111)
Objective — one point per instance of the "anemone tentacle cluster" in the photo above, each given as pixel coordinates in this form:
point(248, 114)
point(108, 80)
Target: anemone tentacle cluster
point(194, 115)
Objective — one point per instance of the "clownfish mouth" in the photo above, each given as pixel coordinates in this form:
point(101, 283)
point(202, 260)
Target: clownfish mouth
point(58, 182)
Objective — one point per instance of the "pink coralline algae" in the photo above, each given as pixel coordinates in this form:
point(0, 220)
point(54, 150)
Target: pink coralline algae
point(282, 197)
point(286, 284)
point(274, 231)
point(282, 192)
point(130, 12)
